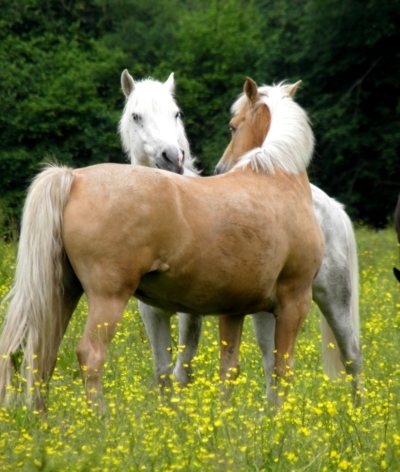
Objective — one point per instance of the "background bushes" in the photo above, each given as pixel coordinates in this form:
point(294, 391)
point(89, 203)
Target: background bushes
point(61, 63)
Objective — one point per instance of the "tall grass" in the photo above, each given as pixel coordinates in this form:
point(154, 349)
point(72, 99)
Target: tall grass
point(317, 429)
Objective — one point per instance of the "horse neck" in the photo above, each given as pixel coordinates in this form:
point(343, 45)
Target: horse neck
point(305, 182)
point(300, 179)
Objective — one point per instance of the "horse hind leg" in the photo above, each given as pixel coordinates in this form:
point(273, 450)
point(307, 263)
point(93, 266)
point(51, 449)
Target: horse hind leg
point(105, 312)
point(70, 296)
point(338, 302)
point(338, 321)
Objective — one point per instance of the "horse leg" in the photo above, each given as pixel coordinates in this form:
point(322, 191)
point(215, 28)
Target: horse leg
point(338, 302)
point(158, 328)
point(105, 312)
point(264, 330)
point(335, 290)
point(338, 320)
point(189, 338)
point(230, 334)
point(290, 312)
point(72, 292)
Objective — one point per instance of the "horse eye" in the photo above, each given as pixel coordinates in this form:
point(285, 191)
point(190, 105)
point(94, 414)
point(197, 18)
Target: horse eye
point(179, 114)
point(232, 129)
point(135, 117)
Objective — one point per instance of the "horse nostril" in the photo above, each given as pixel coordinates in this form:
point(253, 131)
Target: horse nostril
point(165, 156)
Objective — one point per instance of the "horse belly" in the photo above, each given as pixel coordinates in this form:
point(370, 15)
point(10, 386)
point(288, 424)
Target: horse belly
point(208, 291)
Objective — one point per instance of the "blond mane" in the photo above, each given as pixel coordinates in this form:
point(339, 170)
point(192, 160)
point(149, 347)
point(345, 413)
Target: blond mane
point(289, 143)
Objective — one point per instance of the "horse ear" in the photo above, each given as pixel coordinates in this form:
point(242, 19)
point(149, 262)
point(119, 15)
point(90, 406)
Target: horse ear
point(127, 83)
point(250, 89)
point(291, 89)
point(170, 83)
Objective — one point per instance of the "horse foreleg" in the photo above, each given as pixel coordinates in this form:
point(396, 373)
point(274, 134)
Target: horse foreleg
point(290, 312)
point(105, 312)
point(189, 338)
point(264, 330)
point(230, 334)
point(158, 328)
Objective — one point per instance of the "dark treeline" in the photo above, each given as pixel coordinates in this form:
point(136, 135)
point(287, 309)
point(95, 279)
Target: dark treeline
point(61, 61)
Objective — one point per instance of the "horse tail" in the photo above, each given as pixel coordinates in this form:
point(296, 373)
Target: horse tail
point(333, 365)
point(33, 320)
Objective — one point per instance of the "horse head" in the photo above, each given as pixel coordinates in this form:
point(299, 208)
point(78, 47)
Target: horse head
point(151, 130)
point(268, 129)
point(248, 127)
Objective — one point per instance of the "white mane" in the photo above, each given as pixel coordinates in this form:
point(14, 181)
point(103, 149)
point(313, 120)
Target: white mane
point(151, 97)
point(289, 143)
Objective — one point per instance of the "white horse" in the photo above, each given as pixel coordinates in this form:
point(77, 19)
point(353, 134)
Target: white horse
point(152, 135)
point(151, 110)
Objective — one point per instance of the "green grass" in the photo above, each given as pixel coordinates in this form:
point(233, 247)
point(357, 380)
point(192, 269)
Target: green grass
point(317, 429)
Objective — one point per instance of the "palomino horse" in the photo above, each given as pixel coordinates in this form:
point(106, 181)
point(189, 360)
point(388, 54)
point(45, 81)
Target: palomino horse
point(397, 226)
point(335, 290)
point(236, 243)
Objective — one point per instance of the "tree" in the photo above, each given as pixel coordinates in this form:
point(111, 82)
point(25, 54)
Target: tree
point(344, 50)
point(59, 92)
point(215, 48)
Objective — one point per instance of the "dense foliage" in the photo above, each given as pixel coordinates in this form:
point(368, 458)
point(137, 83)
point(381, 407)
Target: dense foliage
point(61, 62)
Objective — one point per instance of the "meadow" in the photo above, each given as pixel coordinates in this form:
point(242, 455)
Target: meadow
point(317, 429)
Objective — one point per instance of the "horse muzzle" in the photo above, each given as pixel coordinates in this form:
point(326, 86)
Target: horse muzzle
point(171, 159)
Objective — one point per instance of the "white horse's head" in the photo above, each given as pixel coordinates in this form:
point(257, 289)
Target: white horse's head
point(151, 130)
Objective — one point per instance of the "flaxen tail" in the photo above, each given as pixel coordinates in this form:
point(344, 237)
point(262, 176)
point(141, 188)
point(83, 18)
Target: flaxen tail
point(332, 364)
point(33, 319)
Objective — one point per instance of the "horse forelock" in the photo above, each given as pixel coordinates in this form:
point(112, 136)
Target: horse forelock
point(151, 97)
point(289, 143)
